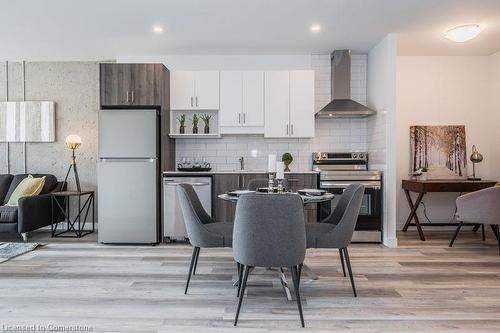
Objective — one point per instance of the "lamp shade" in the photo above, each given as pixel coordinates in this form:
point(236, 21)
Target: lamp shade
point(476, 156)
point(73, 141)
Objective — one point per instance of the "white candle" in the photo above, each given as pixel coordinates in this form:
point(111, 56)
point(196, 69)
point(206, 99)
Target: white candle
point(280, 170)
point(271, 163)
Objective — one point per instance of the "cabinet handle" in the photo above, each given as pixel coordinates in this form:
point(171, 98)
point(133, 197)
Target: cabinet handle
point(239, 118)
point(196, 100)
point(287, 129)
point(191, 100)
point(133, 97)
point(128, 93)
point(291, 126)
point(244, 118)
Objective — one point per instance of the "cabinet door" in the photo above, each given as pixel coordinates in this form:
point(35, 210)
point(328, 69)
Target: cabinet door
point(277, 104)
point(253, 98)
point(115, 84)
point(302, 104)
point(207, 90)
point(182, 90)
point(144, 89)
point(231, 88)
point(246, 178)
point(222, 183)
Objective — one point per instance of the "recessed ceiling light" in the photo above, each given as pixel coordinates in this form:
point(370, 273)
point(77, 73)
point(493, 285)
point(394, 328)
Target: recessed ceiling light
point(463, 33)
point(315, 28)
point(157, 29)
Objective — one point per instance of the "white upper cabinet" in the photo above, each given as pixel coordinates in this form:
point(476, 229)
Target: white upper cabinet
point(277, 104)
point(207, 90)
point(242, 101)
point(231, 97)
point(194, 90)
point(302, 104)
point(253, 98)
point(289, 104)
point(181, 90)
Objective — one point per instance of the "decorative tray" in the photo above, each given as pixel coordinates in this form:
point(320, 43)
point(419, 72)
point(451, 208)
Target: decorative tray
point(194, 169)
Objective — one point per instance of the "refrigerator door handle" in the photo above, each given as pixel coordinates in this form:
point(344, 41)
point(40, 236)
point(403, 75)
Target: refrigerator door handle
point(127, 160)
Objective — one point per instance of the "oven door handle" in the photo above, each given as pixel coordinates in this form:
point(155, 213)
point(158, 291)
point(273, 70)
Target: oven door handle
point(327, 185)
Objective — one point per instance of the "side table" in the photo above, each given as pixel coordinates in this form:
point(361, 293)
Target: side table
point(61, 201)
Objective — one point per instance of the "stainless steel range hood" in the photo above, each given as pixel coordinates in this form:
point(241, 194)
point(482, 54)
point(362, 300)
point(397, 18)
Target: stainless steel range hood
point(342, 106)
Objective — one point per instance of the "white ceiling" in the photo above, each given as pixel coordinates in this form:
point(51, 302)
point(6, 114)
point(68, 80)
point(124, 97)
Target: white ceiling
point(104, 29)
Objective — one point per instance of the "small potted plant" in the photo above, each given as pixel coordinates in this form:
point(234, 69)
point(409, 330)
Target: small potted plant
point(182, 123)
point(287, 158)
point(206, 120)
point(195, 124)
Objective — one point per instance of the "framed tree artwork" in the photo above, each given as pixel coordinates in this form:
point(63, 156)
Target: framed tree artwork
point(441, 150)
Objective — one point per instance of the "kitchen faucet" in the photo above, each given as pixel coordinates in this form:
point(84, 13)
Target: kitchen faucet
point(242, 163)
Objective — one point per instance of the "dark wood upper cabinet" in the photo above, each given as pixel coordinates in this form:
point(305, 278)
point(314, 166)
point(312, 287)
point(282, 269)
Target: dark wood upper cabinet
point(131, 84)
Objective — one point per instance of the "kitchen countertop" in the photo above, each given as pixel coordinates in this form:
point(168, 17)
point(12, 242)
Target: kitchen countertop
point(209, 173)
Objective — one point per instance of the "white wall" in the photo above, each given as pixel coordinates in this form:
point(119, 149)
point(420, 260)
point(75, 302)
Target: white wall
point(448, 91)
point(494, 159)
point(331, 135)
point(382, 98)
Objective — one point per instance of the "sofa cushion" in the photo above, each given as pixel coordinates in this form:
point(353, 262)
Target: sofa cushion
point(5, 181)
point(28, 187)
point(8, 214)
point(49, 186)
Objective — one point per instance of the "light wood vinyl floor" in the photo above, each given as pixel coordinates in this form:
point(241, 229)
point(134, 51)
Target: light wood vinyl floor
point(418, 287)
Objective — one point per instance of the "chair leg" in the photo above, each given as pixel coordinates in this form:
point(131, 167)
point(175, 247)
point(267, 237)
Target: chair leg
point(24, 236)
point(193, 258)
point(295, 277)
point(348, 262)
point(240, 278)
point(196, 261)
point(300, 271)
point(456, 234)
point(342, 261)
point(496, 232)
point(246, 270)
point(482, 232)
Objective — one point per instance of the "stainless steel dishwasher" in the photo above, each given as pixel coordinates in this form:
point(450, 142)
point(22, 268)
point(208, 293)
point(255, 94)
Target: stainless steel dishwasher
point(173, 222)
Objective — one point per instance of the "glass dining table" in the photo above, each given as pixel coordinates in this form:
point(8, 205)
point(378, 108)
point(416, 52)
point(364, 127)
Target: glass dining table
point(307, 199)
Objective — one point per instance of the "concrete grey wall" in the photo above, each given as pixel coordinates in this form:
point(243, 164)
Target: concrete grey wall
point(74, 88)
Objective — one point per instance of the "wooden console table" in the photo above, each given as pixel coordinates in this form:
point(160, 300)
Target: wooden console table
point(423, 187)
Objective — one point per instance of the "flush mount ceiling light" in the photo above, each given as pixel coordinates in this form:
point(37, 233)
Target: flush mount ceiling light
point(315, 28)
point(463, 33)
point(157, 29)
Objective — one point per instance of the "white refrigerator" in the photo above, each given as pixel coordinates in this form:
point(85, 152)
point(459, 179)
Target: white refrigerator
point(128, 179)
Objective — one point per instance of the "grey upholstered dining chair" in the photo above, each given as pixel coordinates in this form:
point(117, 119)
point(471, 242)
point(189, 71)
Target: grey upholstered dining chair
point(337, 229)
point(202, 230)
point(269, 231)
point(481, 207)
point(257, 183)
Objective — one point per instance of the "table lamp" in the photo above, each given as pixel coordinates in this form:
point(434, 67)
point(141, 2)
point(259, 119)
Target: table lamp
point(475, 157)
point(73, 142)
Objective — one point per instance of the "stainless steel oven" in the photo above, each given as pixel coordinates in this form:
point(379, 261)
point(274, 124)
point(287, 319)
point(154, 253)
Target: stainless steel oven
point(339, 170)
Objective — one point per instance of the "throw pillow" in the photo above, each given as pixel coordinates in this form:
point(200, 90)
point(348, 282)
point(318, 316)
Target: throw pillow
point(29, 186)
